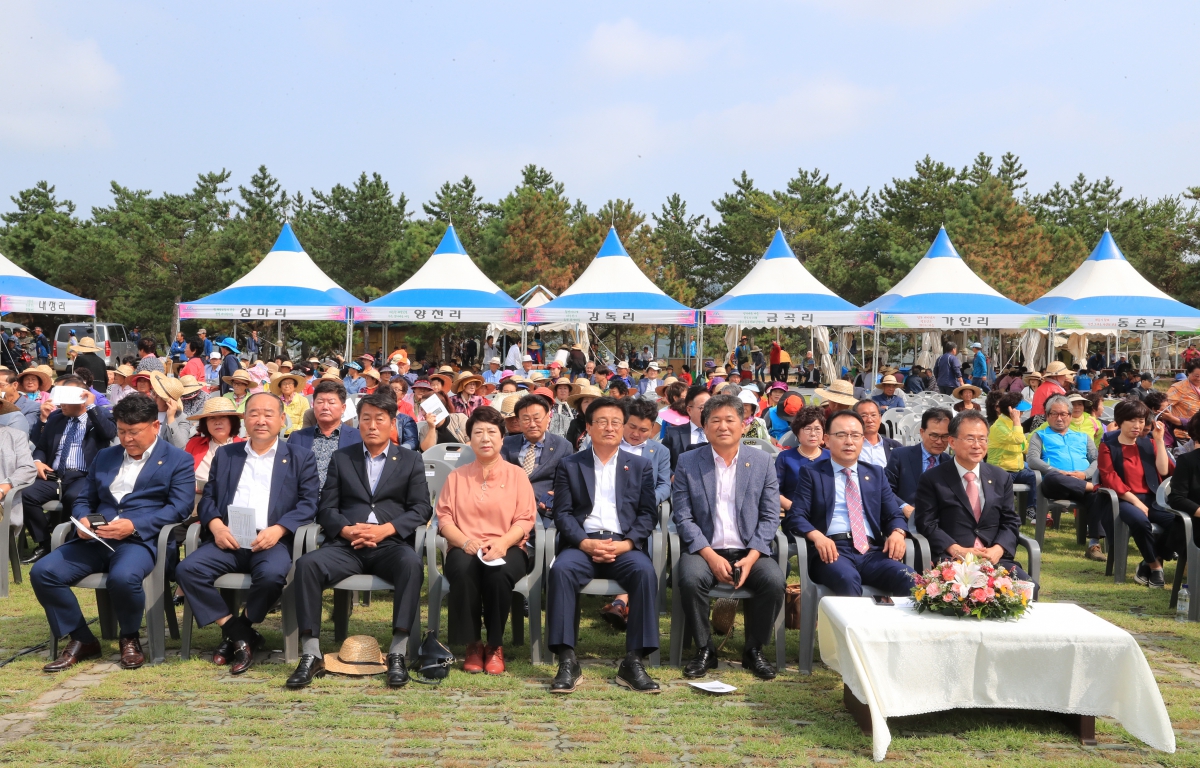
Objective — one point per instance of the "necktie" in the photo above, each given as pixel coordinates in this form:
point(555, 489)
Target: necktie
point(973, 497)
point(931, 463)
point(530, 462)
point(858, 528)
point(68, 445)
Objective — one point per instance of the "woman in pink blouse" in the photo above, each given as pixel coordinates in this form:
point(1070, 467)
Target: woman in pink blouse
point(485, 512)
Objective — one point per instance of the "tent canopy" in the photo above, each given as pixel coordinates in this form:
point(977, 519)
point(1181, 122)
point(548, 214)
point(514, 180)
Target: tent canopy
point(22, 292)
point(447, 287)
point(1106, 292)
point(613, 290)
point(780, 292)
point(942, 292)
point(285, 285)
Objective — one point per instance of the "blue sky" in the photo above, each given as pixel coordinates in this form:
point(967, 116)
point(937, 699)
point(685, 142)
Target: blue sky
point(629, 100)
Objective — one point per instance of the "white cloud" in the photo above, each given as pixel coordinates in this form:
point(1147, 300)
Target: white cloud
point(55, 89)
point(625, 49)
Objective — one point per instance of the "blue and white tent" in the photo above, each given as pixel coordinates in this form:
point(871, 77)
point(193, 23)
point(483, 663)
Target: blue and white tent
point(780, 292)
point(613, 290)
point(22, 292)
point(942, 292)
point(1107, 293)
point(285, 285)
point(447, 288)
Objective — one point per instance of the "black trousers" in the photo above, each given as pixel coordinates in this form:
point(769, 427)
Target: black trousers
point(765, 580)
point(1060, 487)
point(393, 560)
point(1141, 526)
point(197, 572)
point(43, 491)
point(633, 570)
point(779, 372)
point(478, 590)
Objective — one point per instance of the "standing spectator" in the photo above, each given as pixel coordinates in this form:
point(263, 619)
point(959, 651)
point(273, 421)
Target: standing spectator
point(778, 371)
point(207, 342)
point(1053, 383)
point(1191, 353)
point(136, 334)
point(760, 364)
point(229, 363)
point(148, 361)
point(179, 349)
point(577, 362)
point(979, 367)
point(947, 370)
point(512, 361)
point(253, 347)
point(87, 355)
point(742, 352)
point(536, 348)
point(490, 349)
point(41, 346)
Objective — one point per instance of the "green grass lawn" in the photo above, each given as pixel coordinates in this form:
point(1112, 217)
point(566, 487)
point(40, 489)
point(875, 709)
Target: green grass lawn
point(192, 713)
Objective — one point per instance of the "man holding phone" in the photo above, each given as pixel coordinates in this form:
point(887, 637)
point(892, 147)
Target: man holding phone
point(69, 432)
point(130, 493)
point(536, 450)
point(725, 503)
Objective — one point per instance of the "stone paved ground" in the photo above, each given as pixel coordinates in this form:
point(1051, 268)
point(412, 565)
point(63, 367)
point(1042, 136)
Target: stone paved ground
point(192, 713)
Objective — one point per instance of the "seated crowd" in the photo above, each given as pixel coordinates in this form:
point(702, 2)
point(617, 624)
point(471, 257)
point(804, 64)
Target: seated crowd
point(257, 455)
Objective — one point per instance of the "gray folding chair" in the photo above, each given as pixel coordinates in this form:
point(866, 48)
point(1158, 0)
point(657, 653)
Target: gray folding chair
point(766, 446)
point(529, 588)
point(1117, 565)
point(1055, 509)
point(234, 587)
point(454, 454)
point(1190, 553)
point(681, 634)
point(10, 552)
point(436, 472)
point(155, 586)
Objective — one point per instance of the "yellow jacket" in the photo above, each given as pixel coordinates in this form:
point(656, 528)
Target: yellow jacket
point(1088, 425)
point(295, 411)
point(1006, 445)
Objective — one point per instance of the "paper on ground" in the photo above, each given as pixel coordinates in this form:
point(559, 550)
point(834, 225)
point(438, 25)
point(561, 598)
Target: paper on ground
point(714, 686)
point(241, 525)
point(89, 533)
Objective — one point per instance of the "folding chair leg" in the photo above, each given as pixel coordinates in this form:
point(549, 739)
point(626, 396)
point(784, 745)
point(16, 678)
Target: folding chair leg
point(677, 622)
point(780, 640)
point(172, 617)
point(185, 632)
point(341, 613)
point(808, 634)
point(291, 630)
point(537, 648)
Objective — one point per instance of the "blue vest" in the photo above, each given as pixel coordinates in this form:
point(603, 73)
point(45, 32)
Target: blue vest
point(1145, 448)
point(1066, 452)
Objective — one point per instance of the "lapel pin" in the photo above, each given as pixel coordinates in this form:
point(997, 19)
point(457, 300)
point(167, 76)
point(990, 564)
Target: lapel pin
point(989, 482)
point(394, 458)
point(747, 463)
point(285, 461)
point(626, 467)
point(865, 477)
point(160, 462)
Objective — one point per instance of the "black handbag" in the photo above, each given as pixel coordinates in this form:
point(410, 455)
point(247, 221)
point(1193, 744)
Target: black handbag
point(433, 660)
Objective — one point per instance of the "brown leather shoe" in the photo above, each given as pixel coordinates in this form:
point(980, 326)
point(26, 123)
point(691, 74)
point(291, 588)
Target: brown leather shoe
point(474, 661)
point(1095, 553)
point(493, 660)
point(131, 653)
point(74, 653)
point(616, 614)
point(242, 658)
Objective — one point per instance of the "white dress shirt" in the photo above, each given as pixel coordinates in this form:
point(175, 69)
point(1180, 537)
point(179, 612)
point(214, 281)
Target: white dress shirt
point(698, 435)
point(254, 486)
point(122, 484)
point(604, 506)
point(874, 454)
point(725, 528)
point(839, 522)
point(636, 450)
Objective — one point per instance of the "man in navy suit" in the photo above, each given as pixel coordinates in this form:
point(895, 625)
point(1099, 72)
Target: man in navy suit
point(66, 441)
point(331, 433)
point(965, 505)
point(680, 438)
point(278, 481)
point(907, 464)
point(852, 521)
point(536, 450)
point(138, 489)
point(605, 512)
point(725, 503)
point(877, 448)
point(640, 423)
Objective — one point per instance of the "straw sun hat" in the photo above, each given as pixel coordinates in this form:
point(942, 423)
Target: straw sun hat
point(587, 390)
point(358, 656)
point(86, 344)
point(166, 387)
point(839, 391)
point(217, 406)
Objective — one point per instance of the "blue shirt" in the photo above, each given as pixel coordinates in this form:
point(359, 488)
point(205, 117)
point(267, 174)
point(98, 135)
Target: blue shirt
point(354, 386)
point(979, 365)
point(840, 521)
point(883, 401)
point(491, 377)
point(948, 369)
point(525, 444)
point(177, 350)
point(1083, 383)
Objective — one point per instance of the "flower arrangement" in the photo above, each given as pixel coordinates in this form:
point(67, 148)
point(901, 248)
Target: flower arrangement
point(971, 586)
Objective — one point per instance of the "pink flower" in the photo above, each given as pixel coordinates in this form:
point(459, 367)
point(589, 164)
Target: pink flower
point(989, 593)
point(947, 597)
point(979, 595)
point(947, 574)
point(1003, 583)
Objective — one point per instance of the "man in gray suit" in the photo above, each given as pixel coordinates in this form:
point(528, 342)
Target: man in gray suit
point(725, 504)
point(536, 450)
point(639, 425)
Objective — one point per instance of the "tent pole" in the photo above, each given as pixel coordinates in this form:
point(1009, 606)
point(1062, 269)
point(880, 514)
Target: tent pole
point(349, 333)
point(874, 359)
point(699, 347)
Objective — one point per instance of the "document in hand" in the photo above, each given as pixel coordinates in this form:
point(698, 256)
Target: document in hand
point(241, 525)
point(434, 405)
point(497, 561)
point(89, 534)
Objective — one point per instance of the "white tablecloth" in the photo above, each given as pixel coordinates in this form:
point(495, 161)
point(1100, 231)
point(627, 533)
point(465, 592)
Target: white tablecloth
point(1057, 658)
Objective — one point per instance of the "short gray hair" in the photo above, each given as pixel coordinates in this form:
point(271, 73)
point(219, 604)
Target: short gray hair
point(1057, 400)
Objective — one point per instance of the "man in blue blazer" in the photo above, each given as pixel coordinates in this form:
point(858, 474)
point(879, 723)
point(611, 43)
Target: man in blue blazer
point(605, 512)
point(725, 503)
point(137, 488)
point(533, 414)
point(278, 481)
point(907, 464)
point(66, 441)
point(331, 433)
point(850, 517)
point(877, 447)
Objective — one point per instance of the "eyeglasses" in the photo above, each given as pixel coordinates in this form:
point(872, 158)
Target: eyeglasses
point(126, 432)
point(939, 436)
point(972, 440)
point(851, 436)
point(812, 429)
point(606, 423)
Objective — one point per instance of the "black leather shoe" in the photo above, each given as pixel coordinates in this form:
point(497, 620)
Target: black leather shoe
point(632, 675)
point(397, 672)
point(36, 555)
point(705, 660)
point(243, 657)
point(567, 678)
point(310, 667)
point(224, 652)
point(754, 661)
